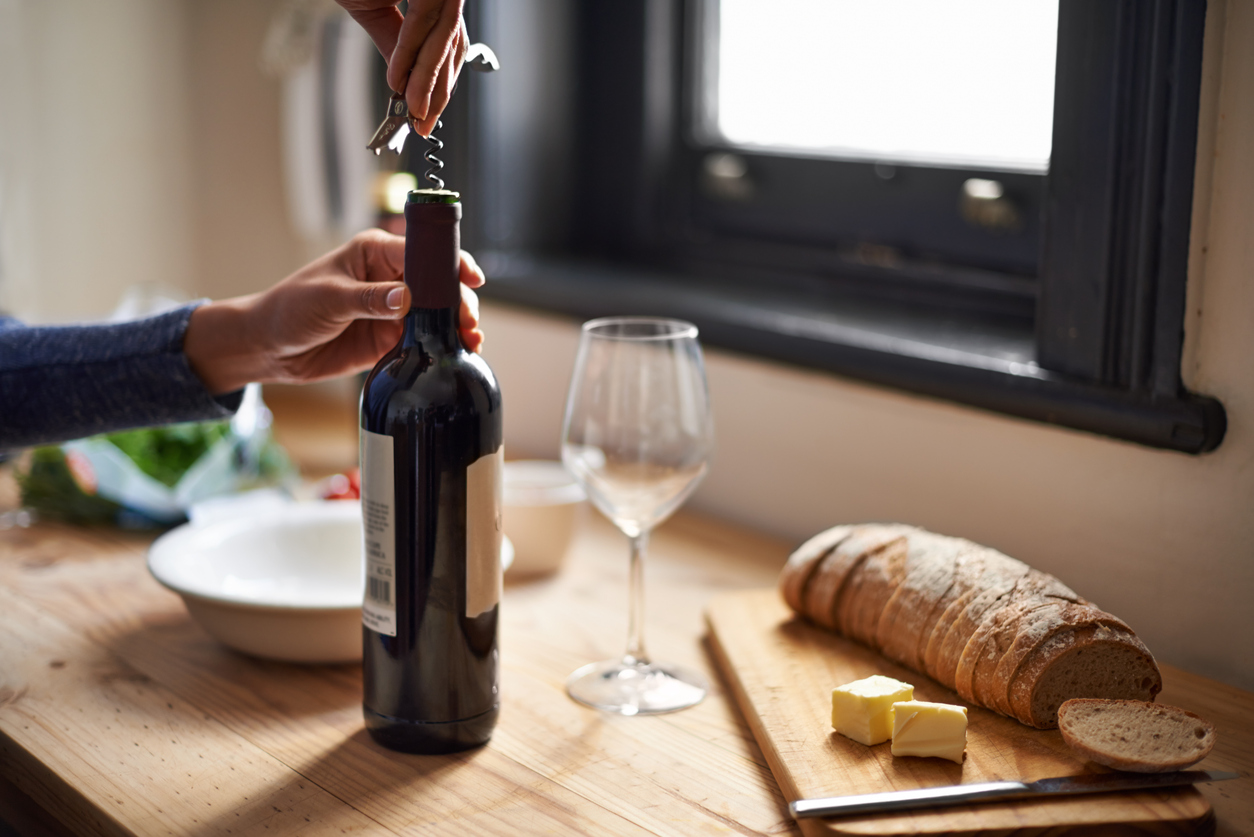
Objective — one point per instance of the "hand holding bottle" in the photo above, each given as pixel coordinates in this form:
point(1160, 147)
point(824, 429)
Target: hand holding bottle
point(335, 316)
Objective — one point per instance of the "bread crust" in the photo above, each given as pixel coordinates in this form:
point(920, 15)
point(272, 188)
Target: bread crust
point(967, 573)
point(929, 572)
point(1169, 738)
point(985, 581)
point(820, 602)
point(999, 582)
point(998, 629)
point(878, 577)
point(804, 560)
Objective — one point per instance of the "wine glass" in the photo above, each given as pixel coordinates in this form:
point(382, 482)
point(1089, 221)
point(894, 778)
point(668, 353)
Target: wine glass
point(638, 438)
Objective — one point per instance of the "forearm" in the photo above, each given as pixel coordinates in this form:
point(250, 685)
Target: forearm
point(65, 382)
point(222, 345)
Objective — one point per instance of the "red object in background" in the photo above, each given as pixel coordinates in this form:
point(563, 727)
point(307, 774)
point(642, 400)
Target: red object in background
point(343, 486)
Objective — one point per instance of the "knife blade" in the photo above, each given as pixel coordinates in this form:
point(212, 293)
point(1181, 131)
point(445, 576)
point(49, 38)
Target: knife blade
point(866, 803)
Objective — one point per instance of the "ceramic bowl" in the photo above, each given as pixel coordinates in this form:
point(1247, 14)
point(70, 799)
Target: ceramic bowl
point(283, 585)
point(542, 505)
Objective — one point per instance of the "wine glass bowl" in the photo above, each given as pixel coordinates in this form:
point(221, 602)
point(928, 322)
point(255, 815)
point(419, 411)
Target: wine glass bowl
point(638, 437)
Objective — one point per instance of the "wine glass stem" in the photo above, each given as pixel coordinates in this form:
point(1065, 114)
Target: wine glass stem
point(636, 655)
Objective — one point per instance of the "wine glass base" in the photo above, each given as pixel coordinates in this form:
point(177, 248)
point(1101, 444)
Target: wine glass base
point(636, 689)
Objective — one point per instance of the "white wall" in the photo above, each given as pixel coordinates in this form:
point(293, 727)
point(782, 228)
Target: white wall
point(1164, 540)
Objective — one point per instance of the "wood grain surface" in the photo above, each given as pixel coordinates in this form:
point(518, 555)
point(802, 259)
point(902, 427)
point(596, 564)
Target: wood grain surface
point(120, 716)
point(782, 671)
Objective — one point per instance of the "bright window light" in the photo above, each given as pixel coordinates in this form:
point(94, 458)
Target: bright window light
point(959, 82)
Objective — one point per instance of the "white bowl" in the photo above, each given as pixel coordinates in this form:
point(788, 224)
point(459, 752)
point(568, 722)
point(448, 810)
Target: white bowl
point(284, 585)
point(541, 505)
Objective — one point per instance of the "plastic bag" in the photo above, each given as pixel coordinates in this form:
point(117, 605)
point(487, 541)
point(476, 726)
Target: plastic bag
point(151, 478)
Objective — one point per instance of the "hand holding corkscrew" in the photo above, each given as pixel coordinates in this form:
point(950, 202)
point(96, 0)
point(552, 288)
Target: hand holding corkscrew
point(398, 123)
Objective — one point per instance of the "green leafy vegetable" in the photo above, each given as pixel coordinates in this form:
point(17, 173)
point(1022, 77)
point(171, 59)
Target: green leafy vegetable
point(166, 453)
point(49, 488)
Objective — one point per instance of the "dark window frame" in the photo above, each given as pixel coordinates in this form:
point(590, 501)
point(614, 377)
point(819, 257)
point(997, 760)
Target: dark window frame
point(1094, 344)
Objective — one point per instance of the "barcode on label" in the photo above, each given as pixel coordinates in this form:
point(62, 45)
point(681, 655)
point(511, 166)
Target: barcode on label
point(379, 590)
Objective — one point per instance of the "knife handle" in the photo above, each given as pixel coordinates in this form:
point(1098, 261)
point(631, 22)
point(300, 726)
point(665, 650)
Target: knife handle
point(902, 800)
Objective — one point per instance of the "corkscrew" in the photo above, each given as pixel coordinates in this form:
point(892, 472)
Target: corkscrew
point(432, 174)
point(398, 123)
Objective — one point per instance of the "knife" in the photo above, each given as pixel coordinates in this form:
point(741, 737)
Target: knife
point(986, 791)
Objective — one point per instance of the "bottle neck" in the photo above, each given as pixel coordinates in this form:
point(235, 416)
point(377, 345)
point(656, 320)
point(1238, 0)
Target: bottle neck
point(432, 329)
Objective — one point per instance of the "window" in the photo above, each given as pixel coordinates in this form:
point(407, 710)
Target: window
point(620, 170)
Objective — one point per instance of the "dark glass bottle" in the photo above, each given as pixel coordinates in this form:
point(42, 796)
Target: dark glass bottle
point(431, 460)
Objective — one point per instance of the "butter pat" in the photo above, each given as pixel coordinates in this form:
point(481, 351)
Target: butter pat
point(929, 729)
point(863, 710)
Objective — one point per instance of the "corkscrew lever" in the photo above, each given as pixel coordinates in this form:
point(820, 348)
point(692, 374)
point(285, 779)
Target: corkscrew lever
point(398, 123)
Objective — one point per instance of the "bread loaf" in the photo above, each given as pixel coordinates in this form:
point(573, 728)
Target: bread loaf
point(1003, 635)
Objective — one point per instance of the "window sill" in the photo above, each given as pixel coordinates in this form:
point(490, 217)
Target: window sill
point(977, 361)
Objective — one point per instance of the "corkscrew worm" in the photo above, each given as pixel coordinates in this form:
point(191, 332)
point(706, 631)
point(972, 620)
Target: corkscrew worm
point(435, 164)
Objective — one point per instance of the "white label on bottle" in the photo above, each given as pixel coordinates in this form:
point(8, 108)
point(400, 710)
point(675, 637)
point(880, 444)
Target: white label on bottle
point(378, 518)
point(483, 532)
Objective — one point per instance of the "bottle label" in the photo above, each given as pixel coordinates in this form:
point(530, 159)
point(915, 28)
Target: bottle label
point(378, 518)
point(483, 532)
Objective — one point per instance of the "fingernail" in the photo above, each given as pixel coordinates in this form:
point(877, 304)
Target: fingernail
point(396, 298)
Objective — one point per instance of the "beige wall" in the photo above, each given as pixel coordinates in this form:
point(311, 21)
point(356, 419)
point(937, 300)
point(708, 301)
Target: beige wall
point(1164, 540)
point(95, 162)
point(138, 144)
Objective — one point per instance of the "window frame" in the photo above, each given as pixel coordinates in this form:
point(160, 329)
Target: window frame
point(1103, 324)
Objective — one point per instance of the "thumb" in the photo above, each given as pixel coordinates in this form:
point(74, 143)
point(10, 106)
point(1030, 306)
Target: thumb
point(369, 301)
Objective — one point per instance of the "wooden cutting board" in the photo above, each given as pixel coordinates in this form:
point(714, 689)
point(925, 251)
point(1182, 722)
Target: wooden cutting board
point(782, 671)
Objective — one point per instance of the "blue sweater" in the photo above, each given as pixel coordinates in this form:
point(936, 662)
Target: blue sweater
point(64, 382)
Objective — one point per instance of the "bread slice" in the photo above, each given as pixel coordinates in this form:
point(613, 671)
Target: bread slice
point(929, 573)
point(1003, 578)
point(1033, 630)
point(819, 602)
point(997, 631)
point(1135, 735)
point(878, 578)
point(803, 562)
point(953, 631)
point(842, 567)
point(1097, 661)
point(967, 573)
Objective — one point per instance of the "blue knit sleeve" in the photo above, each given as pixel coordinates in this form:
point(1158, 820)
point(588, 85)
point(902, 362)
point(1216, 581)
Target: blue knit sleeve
point(65, 382)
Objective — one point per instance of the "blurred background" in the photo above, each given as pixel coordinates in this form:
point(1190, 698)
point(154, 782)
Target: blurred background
point(827, 187)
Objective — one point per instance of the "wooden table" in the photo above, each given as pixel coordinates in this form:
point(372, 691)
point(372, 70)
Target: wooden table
point(120, 716)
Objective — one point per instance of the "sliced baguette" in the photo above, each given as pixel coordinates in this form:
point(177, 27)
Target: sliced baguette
point(1135, 735)
point(1007, 637)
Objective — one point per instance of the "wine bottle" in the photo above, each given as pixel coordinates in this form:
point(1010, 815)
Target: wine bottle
point(431, 458)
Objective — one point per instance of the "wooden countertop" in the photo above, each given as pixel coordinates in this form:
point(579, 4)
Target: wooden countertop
point(120, 716)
